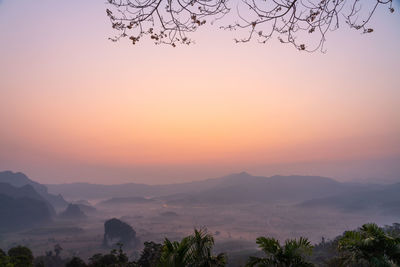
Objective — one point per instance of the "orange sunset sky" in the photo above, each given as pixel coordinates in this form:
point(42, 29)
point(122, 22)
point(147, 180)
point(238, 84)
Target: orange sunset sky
point(76, 107)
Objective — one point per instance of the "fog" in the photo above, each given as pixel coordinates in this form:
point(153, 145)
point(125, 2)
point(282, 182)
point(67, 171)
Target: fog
point(236, 209)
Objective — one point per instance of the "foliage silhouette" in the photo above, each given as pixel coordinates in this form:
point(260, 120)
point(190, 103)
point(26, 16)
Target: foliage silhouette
point(76, 262)
point(370, 245)
point(291, 21)
point(20, 256)
point(194, 250)
point(150, 255)
point(292, 253)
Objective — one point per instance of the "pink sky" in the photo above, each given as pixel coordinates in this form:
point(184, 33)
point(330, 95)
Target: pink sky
point(77, 107)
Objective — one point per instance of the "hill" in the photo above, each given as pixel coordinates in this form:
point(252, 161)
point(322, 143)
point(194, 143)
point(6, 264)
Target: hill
point(19, 179)
point(385, 199)
point(22, 207)
point(243, 187)
point(26, 191)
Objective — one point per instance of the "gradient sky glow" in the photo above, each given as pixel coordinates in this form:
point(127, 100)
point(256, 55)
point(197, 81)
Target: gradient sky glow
point(77, 107)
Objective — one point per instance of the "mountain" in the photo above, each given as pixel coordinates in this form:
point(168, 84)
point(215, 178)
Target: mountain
point(76, 191)
point(384, 199)
point(234, 188)
point(19, 179)
point(243, 187)
point(22, 207)
point(26, 191)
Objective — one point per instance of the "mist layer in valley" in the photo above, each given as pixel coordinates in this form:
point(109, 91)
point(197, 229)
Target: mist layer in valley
point(236, 209)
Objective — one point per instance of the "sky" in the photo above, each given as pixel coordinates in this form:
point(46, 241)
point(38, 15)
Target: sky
point(75, 106)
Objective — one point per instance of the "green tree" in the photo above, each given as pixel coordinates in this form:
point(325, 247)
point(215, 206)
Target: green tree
point(292, 254)
point(201, 249)
point(76, 262)
point(4, 259)
point(326, 254)
point(116, 258)
point(51, 258)
point(175, 253)
point(370, 245)
point(194, 250)
point(150, 255)
point(21, 256)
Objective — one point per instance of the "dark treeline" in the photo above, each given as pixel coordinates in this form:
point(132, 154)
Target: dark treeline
point(370, 245)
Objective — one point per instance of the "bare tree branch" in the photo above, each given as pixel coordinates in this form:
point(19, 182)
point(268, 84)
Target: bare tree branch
point(170, 21)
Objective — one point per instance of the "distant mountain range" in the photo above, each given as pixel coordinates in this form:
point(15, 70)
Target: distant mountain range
point(234, 183)
point(20, 195)
point(230, 189)
point(384, 199)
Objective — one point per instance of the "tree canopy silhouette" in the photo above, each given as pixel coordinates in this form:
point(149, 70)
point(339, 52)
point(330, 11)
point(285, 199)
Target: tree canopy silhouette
point(370, 245)
point(291, 21)
point(292, 253)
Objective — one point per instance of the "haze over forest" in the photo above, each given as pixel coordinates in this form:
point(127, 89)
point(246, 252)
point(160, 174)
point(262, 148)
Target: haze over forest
point(236, 209)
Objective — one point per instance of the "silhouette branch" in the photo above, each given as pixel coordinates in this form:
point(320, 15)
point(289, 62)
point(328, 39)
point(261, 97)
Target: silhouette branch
point(291, 21)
